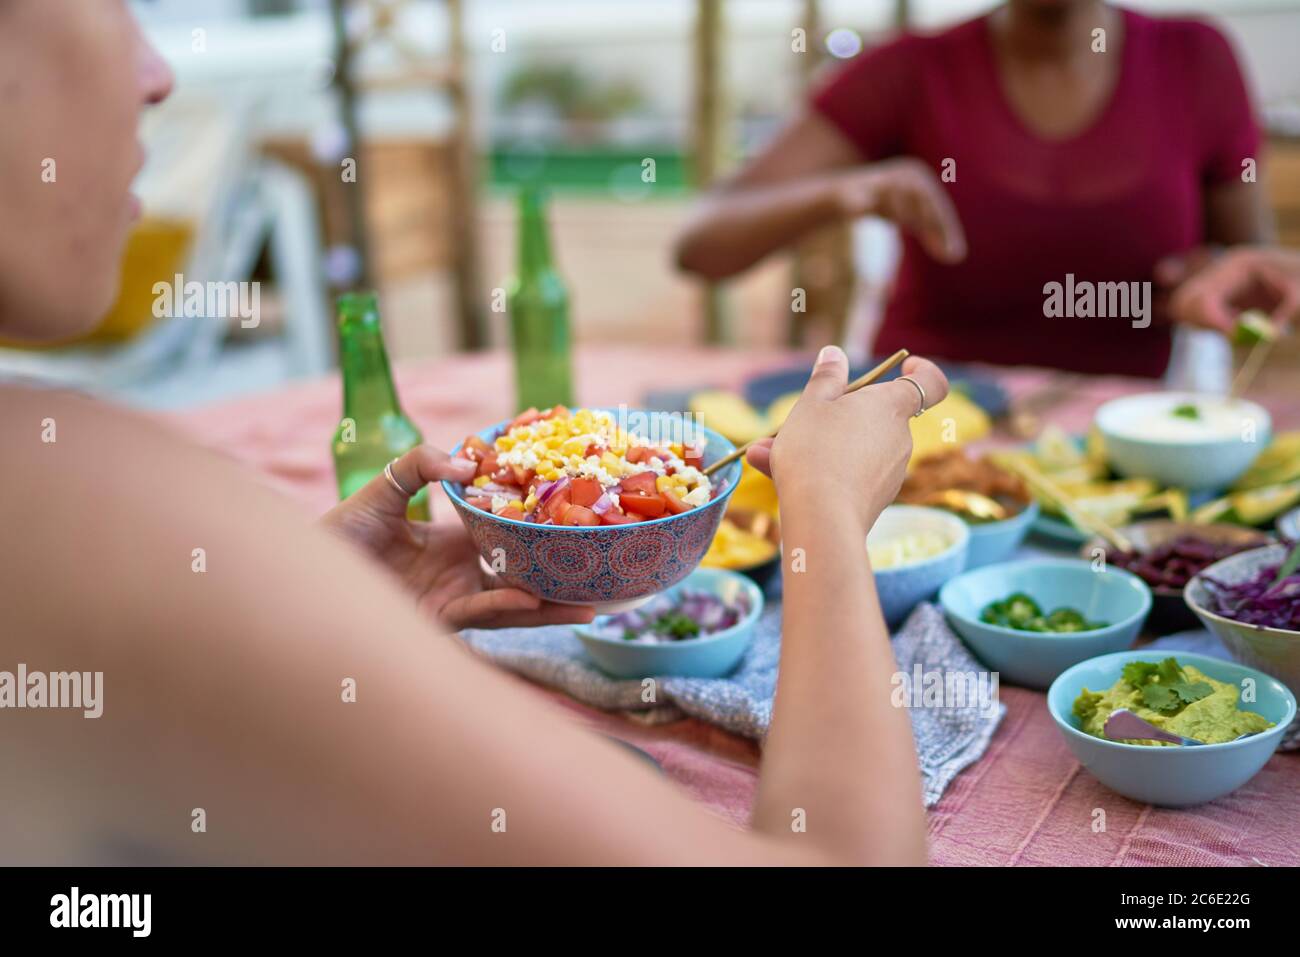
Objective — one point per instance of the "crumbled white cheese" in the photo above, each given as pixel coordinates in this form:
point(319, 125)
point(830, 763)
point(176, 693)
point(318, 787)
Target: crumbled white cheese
point(697, 496)
point(591, 468)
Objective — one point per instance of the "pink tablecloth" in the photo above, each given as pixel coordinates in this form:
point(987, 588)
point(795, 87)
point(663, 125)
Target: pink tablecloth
point(1026, 802)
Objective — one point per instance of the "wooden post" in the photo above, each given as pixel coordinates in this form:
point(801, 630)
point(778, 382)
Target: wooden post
point(902, 13)
point(463, 219)
point(354, 192)
point(823, 262)
point(707, 137)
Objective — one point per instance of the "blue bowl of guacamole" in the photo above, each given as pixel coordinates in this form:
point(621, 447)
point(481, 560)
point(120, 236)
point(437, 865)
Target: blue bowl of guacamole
point(1216, 704)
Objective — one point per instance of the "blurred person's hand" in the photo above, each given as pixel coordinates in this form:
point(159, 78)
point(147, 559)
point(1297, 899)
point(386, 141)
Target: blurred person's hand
point(908, 193)
point(438, 563)
point(1211, 291)
point(847, 454)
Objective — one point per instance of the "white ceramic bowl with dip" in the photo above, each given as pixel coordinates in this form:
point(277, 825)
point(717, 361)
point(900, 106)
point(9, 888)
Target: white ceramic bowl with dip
point(1146, 438)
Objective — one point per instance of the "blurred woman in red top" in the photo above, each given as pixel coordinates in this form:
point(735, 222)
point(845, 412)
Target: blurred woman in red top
point(1050, 141)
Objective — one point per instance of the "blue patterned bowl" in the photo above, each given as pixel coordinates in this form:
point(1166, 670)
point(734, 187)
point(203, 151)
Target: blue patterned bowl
point(613, 567)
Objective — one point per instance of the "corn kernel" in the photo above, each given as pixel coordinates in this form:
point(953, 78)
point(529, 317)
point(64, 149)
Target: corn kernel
point(663, 482)
point(530, 501)
point(481, 481)
point(515, 503)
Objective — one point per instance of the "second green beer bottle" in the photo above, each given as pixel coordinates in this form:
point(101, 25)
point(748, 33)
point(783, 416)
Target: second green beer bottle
point(538, 304)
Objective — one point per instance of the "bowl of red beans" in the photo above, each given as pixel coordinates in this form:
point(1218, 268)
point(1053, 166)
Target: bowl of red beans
point(1167, 555)
point(603, 507)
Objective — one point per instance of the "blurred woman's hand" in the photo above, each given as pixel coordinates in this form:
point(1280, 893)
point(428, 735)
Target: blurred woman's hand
point(1212, 292)
point(438, 564)
point(847, 454)
point(908, 193)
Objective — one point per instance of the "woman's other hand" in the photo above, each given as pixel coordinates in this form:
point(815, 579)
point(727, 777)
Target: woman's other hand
point(1211, 292)
point(908, 193)
point(850, 451)
point(438, 564)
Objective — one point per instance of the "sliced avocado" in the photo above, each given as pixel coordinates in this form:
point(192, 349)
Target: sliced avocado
point(1219, 510)
point(1253, 327)
point(1170, 504)
point(1261, 506)
point(1282, 474)
point(1279, 464)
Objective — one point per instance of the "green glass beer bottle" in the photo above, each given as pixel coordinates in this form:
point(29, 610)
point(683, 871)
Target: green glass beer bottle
point(374, 429)
point(538, 303)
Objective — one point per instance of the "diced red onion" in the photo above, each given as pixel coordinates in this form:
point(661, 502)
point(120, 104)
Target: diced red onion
point(547, 489)
point(602, 504)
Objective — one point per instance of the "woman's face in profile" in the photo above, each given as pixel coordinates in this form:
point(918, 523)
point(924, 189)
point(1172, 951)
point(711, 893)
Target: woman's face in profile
point(74, 77)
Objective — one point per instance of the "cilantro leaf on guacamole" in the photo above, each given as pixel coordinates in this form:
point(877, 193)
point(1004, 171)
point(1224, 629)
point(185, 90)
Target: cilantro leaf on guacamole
point(1164, 685)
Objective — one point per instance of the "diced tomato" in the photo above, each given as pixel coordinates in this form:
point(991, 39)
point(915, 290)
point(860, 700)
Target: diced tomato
point(642, 482)
point(527, 417)
point(674, 503)
point(521, 476)
point(593, 449)
point(693, 457)
point(484, 503)
point(579, 515)
point(647, 506)
point(488, 464)
point(644, 453)
point(554, 411)
point(556, 504)
point(614, 517)
point(584, 491)
point(473, 448)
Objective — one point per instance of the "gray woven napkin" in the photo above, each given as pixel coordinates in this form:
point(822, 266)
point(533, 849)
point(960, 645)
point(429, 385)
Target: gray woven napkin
point(948, 738)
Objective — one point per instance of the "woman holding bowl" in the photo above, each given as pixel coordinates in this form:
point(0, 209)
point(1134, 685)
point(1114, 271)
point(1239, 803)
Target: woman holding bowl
point(222, 680)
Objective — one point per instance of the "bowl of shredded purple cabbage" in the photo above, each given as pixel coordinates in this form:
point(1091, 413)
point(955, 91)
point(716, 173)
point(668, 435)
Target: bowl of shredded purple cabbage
point(1260, 588)
point(1256, 615)
point(699, 628)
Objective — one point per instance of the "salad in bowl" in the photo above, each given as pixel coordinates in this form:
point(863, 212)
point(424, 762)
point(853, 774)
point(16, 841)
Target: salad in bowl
point(593, 506)
point(559, 467)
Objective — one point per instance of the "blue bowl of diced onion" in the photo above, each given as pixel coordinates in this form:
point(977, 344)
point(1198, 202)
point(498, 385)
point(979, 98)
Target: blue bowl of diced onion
point(914, 550)
point(725, 607)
